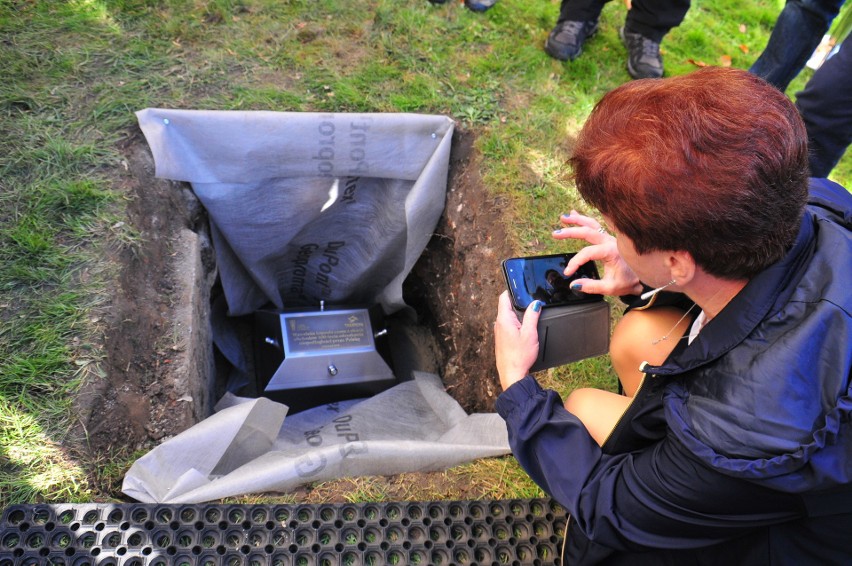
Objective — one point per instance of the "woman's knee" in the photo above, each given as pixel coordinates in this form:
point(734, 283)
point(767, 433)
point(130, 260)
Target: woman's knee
point(580, 401)
point(644, 336)
point(598, 410)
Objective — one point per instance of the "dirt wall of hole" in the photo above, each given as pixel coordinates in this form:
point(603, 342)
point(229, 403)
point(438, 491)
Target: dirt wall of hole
point(157, 339)
point(459, 276)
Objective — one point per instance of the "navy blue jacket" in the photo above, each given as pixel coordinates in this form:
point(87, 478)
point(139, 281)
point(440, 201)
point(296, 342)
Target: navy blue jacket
point(739, 447)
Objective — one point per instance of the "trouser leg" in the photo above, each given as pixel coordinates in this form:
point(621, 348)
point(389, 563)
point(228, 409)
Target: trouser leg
point(797, 32)
point(826, 107)
point(655, 18)
point(580, 10)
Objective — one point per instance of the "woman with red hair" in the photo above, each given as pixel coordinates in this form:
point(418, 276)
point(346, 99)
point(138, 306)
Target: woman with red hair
point(732, 440)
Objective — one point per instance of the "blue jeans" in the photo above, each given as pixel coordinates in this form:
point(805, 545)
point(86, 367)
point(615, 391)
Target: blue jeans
point(798, 31)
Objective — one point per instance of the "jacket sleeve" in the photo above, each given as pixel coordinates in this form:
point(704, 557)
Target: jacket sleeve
point(833, 197)
point(655, 498)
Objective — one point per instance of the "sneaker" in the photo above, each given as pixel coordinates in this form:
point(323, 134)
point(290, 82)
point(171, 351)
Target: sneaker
point(479, 5)
point(566, 40)
point(643, 56)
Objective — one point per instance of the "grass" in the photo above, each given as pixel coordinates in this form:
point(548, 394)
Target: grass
point(75, 71)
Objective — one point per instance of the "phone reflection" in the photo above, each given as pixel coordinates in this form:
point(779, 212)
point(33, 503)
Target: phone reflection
point(541, 278)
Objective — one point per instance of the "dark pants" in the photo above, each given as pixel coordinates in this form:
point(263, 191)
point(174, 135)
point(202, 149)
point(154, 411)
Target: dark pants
point(797, 32)
point(826, 107)
point(650, 18)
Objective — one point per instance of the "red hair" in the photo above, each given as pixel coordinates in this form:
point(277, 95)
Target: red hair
point(714, 163)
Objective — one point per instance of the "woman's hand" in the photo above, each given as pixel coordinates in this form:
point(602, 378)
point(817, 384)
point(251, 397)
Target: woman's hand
point(618, 278)
point(515, 343)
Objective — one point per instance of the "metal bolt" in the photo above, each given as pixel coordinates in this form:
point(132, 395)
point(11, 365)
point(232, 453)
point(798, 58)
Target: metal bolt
point(332, 370)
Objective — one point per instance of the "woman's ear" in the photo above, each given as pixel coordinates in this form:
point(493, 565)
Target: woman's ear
point(682, 266)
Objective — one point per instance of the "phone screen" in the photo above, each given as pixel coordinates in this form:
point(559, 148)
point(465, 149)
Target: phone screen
point(541, 278)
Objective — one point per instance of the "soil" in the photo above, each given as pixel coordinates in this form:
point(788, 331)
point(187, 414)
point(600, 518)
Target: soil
point(143, 400)
point(459, 276)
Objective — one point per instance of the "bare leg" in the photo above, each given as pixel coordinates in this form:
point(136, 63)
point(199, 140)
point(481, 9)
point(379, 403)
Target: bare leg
point(631, 345)
point(633, 342)
point(599, 410)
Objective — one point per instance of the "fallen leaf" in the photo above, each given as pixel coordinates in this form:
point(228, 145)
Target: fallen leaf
point(696, 63)
point(725, 60)
point(743, 47)
point(743, 28)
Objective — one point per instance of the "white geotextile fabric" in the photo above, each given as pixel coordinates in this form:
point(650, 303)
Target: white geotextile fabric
point(309, 207)
point(249, 446)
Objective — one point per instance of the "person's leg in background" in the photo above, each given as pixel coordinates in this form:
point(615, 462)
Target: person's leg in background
point(472, 5)
point(578, 21)
point(479, 5)
point(648, 21)
point(826, 108)
point(797, 33)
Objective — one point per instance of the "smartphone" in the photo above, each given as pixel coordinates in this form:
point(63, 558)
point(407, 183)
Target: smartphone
point(541, 278)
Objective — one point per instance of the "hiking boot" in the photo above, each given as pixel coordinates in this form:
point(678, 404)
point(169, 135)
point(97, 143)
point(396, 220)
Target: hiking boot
point(479, 5)
point(643, 56)
point(566, 40)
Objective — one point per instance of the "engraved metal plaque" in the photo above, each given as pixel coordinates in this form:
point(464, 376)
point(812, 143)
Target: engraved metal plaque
point(324, 356)
point(329, 332)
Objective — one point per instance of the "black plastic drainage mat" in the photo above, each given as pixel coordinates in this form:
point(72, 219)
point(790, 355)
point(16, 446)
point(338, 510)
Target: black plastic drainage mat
point(483, 533)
